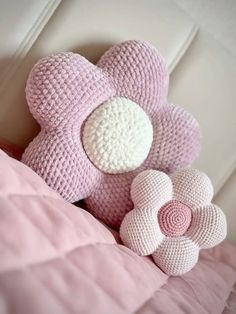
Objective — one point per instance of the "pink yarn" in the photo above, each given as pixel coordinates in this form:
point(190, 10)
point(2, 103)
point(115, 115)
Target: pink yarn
point(174, 218)
point(187, 220)
point(64, 89)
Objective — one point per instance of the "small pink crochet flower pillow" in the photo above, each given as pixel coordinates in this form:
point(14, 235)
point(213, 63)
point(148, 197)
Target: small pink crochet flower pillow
point(102, 125)
point(173, 218)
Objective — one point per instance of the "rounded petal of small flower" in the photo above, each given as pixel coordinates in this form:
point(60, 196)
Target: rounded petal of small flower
point(151, 188)
point(138, 72)
point(208, 227)
point(140, 231)
point(192, 187)
point(176, 256)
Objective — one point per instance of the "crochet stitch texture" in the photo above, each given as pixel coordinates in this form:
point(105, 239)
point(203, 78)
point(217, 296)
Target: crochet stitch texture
point(173, 218)
point(63, 91)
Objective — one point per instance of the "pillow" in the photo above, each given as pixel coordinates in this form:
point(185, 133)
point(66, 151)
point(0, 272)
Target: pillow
point(102, 125)
point(173, 218)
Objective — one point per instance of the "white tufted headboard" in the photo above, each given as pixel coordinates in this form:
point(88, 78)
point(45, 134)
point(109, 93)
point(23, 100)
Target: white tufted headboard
point(195, 37)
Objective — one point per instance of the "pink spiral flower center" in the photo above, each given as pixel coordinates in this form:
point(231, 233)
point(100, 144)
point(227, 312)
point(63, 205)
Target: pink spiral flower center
point(174, 218)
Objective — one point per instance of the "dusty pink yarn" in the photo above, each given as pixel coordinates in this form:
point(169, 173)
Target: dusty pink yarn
point(174, 218)
point(187, 220)
point(64, 89)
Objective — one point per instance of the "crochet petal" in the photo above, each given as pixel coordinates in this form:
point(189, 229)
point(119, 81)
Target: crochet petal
point(192, 187)
point(63, 164)
point(65, 87)
point(176, 256)
point(110, 200)
point(139, 73)
point(151, 188)
point(140, 231)
point(176, 140)
point(208, 227)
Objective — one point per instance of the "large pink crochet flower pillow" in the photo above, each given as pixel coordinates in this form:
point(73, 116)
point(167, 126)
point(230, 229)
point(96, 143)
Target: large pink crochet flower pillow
point(173, 218)
point(102, 125)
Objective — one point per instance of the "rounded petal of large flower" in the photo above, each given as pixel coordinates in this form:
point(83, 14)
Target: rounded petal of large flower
point(138, 72)
point(176, 140)
point(176, 255)
point(63, 164)
point(192, 187)
point(208, 227)
point(151, 188)
point(110, 199)
point(65, 87)
point(140, 231)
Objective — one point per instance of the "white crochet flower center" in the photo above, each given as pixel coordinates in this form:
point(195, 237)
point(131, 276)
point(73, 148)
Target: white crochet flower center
point(117, 136)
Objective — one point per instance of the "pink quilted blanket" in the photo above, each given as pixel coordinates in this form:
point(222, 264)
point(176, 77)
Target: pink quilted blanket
point(57, 258)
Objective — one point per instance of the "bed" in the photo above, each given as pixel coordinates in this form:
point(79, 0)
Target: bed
point(56, 257)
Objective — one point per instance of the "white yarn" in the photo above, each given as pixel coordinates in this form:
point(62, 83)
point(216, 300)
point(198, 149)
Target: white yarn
point(151, 188)
point(192, 187)
point(208, 227)
point(117, 136)
point(176, 256)
point(140, 231)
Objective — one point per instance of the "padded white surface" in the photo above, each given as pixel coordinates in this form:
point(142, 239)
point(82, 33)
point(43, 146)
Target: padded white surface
point(20, 24)
point(91, 26)
point(217, 17)
point(204, 82)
